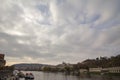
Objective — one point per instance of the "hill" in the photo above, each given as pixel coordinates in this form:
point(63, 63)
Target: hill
point(29, 66)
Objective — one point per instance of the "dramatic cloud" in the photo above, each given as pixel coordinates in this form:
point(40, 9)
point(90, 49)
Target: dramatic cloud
point(52, 31)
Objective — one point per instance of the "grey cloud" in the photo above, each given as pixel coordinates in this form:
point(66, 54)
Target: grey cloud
point(59, 30)
point(13, 49)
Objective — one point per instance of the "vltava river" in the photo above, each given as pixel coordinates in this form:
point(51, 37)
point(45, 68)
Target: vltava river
point(60, 76)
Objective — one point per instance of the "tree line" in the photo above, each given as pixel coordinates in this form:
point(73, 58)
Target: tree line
point(103, 62)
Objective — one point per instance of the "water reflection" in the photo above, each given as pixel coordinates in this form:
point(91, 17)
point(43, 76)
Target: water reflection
point(61, 76)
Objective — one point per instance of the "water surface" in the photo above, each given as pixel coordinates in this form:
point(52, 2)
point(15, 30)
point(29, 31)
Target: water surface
point(60, 76)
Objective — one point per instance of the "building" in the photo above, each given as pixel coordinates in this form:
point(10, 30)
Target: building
point(95, 69)
point(2, 61)
point(110, 70)
point(114, 69)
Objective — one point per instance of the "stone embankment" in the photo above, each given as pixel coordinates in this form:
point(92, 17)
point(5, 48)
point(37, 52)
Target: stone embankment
point(6, 75)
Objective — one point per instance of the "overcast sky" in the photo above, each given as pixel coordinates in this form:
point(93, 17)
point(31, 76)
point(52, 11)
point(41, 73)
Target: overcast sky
point(53, 31)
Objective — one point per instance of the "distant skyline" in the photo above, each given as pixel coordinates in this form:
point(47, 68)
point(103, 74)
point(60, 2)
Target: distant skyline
point(53, 31)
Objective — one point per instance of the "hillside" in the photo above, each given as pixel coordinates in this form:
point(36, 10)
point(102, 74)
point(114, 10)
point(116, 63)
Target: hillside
point(29, 66)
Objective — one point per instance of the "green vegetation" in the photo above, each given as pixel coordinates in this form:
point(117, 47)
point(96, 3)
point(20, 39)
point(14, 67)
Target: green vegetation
point(113, 74)
point(95, 73)
point(103, 62)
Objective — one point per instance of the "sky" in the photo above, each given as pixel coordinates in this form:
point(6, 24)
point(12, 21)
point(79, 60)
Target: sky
point(53, 31)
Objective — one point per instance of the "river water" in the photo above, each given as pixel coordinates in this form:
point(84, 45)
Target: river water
point(60, 76)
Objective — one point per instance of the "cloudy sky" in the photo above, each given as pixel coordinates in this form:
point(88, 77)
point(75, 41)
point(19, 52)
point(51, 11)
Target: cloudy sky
point(53, 31)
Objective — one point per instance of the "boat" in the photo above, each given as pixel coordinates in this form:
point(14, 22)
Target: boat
point(20, 75)
point(29, 76)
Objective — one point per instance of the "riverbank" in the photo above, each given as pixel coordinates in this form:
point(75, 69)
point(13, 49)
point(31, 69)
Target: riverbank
point(6, 75)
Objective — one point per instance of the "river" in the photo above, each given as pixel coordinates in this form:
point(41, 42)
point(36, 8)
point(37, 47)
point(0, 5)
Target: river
point(60, 76)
